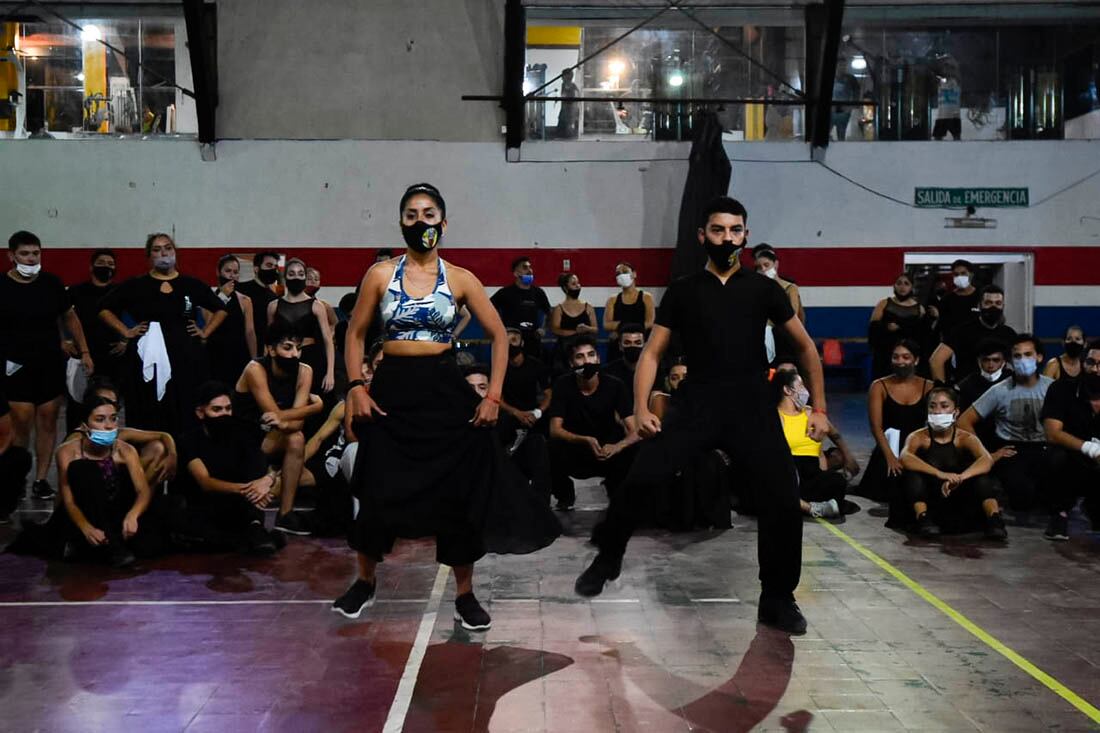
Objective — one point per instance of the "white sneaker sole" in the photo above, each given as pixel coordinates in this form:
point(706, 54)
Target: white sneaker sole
point(345, 614)
point(471, 627)
point(295, 532)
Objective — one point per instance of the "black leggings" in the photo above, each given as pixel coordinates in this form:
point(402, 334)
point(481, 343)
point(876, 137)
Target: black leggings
point(1026, 476)
point(1075, 474)
point(817, 485)
point(957, 507)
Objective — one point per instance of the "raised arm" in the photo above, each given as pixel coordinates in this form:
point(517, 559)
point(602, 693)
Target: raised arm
point(938, 363)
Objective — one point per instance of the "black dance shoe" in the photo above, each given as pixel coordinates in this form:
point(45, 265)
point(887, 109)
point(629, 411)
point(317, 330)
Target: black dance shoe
point(782, 614)
point(995, 528)
point(470, 614)
point(604, 568)
point(359, 596)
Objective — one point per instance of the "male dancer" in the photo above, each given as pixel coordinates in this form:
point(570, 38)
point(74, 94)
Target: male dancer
point(719, 315)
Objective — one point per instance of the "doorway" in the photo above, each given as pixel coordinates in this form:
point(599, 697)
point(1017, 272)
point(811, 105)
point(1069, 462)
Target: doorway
point(1012, 271)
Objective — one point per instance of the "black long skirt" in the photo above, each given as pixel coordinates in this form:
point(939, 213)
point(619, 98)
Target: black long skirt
point(424, 470)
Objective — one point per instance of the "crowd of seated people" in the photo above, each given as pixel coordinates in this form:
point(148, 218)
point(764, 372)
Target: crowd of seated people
point(207, 404)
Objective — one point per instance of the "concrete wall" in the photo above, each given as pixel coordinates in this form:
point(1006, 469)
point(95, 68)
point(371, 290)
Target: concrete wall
point(378, 70)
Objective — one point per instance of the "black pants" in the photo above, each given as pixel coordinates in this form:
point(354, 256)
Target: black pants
point(739, 419)
point(532, 458)
point(817, 485)
point(1025, 476)
point(107, 514)
point(956, 510)
point(229, 513)
point(1074, 475)
point(573, 460)
point(946, 125)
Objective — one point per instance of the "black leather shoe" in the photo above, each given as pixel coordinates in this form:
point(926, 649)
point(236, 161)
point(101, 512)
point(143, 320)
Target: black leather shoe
point(782, 614)
point(590, 583)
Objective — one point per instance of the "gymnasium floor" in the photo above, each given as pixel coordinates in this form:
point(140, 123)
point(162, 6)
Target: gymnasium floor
point(220, 643)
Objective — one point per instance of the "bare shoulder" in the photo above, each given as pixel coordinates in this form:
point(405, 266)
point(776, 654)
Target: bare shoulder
point(126, 450)
point(243, 299)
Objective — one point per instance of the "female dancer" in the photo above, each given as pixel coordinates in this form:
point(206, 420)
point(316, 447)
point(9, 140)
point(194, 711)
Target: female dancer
point(307, 316)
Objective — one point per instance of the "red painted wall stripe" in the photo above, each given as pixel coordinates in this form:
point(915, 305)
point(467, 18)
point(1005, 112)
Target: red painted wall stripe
point(824, 266)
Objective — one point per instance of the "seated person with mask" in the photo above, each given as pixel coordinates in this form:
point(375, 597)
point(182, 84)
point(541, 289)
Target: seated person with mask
point(526, 392)
point(658, 400)
point(273, 395)
point(1014, 407)
point(591, 425)
point(947, 478)
point(228, 482)
point(526, 448)
point(1071, 417)
point(960, 344)
point(631, 343)
point(992, 360)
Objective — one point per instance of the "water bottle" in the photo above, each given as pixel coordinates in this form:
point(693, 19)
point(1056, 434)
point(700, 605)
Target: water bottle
point(188, 309)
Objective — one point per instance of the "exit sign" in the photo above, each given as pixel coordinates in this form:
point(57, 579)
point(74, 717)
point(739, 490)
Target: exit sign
point(960, 198)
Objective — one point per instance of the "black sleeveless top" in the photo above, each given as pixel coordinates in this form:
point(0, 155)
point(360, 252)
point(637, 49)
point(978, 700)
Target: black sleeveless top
point(101, 477)
point(227, 345)
point(946, 457)
point(282, 391)
point(570, 323)
point(632, 313)
point(300, 317)
point(905, 418)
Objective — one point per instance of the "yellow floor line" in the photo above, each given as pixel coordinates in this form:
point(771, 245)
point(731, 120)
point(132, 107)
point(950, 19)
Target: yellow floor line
point(988, 639)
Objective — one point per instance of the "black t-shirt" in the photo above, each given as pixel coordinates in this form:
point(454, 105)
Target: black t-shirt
point(524, 384)
point(1066, 401)
point(592, 415)
point(519, 307)
point(85, 299)
point(28, 317)
point(625, 374)
point(142, 299)
point(966, 338)
point(957, 309)
point(974, 386)
point(237, 458)
point(721, 326)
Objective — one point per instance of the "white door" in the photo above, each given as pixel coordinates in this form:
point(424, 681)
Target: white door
point(1013, 271)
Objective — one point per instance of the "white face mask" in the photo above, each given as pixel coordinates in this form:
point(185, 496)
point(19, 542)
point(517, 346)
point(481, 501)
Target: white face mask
point(801, 398)
point(992, 377)
point(624, 279)
point(27, 270)
point(941, 422)
point(962, 282)
point(771, 272)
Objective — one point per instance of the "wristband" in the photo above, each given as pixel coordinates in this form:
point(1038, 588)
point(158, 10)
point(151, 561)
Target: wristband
point(819, 410)
point(355, 383)
point(494, 400)
point(537, 413)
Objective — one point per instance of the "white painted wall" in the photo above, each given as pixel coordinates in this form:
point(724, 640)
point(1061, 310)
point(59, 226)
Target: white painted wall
point(90, 192)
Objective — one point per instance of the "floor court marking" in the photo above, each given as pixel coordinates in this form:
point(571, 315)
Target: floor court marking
point(399, 709)
point(988, 639)
point(242, 602)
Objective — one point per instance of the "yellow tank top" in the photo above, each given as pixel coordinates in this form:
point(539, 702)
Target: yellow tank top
point(794, 430)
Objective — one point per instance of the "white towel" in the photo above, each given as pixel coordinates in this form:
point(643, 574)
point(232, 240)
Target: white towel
point(893, 437)
point(154, 358)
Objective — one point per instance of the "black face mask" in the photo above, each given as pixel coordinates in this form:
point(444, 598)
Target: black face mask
point(295, 286)
point(287, 364)
point(904, 372)
point(990, 316)
point(1074, 349)
point(724, 255)
point(631, 354)
point(103, 273)
point(421, 236)
point(573, 293)
point(268, 277)
point(586, 371)
point(222, 280)
point(514, 350)
point(219, 428)
point(1091, 383)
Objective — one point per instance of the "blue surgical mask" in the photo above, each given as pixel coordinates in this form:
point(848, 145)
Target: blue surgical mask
point(105, 438)
point(527, 279)
point(1025, 367)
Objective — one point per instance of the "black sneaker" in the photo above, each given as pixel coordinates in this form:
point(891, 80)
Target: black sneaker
point(925, 527)
point(359, 596)
point(292, 523)
point(41, 489)
point(259, 540)
point(604, 568)
point(118, 556)
point(1058, 529)
point(782, 614)
point(995, 528)
point(470, 613)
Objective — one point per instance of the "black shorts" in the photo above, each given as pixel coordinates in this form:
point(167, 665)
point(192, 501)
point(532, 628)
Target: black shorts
point(37, 383)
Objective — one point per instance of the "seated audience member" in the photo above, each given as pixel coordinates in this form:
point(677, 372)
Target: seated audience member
point(156, 449)
point(894, 403)
point(992, 369)
point(947, 480)
point(228, 477)
point(570, 318)
point(894, 318)
point(526, 448)
point(659, 400)
point(1071, 418)
point(1068, 364)
point(1014, 407)
point(273, 395)
point(631, 343)
point(104, 492)
point(960, 344)
point(526, 392)
point(591, 425)
point(822, 491)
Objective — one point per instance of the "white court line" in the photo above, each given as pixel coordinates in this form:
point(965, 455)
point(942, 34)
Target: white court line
point(615, 600)
point(715, 600)
point(256, 602)
point(395, 721)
